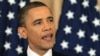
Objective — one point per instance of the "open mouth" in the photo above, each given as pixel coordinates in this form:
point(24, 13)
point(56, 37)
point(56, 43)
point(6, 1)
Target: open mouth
point(47, 37)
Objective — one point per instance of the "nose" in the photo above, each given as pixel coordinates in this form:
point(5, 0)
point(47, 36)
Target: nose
point(47, 27)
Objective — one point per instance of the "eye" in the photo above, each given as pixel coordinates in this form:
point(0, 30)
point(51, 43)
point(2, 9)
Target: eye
point(50, 19)
point(37, 22)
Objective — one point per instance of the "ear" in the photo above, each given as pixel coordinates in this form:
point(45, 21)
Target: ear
point(22, 32)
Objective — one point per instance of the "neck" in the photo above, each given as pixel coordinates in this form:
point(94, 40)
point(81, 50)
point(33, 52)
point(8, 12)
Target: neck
point(39, 51)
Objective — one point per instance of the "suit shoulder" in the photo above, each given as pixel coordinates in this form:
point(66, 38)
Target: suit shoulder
point(23, 54)
point(57, 54)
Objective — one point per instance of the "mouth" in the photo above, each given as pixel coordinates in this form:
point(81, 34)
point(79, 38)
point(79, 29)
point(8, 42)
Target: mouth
point(47, 37)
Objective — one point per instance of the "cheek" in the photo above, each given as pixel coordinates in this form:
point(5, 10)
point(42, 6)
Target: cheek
point(53, 27)
point(34, 37)
point(34, 34)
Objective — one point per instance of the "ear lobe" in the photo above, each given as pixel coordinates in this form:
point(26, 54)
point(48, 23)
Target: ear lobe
point(22, 32)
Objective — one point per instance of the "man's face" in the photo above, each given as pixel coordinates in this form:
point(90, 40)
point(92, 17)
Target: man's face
point(40, 28)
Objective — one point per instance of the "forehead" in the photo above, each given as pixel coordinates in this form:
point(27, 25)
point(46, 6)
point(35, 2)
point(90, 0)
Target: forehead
point(34, 14)
point(38, 12)
point(40, 9)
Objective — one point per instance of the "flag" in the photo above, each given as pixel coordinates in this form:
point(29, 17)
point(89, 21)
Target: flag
point(10, 42)
point(78, 33)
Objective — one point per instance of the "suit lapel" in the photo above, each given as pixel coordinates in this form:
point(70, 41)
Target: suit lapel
point(57, 54)
point(23, 54)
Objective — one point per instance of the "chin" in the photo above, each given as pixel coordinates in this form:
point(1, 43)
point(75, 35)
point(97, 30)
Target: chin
point(48, 46)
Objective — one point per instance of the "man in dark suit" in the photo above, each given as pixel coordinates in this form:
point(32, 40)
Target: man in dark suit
point(36, 24)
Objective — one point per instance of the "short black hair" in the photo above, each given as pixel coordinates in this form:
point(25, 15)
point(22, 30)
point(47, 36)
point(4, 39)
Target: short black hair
point(23, 11)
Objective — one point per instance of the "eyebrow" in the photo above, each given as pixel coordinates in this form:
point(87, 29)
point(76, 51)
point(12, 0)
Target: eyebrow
point(50, 17)
point(37, 20)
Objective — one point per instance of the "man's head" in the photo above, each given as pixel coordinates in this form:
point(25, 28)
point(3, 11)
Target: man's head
point(36, 24)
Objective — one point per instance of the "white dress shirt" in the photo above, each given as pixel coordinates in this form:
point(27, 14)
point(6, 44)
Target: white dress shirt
point(32, 53)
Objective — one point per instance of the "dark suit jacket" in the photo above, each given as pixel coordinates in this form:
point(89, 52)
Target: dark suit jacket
point(54, 54)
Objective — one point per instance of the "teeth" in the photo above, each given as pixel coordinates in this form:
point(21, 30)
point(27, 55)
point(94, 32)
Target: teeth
point(48, 37)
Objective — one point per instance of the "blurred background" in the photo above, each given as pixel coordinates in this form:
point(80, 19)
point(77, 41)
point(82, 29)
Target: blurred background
point(77, 23)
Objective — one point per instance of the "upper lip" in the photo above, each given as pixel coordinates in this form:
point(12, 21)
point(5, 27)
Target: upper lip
point(47, 35)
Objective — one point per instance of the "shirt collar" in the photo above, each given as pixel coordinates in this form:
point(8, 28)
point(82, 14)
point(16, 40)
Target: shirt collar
point(32, 53)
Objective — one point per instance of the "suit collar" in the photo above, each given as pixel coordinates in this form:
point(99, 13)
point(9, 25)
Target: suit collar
point(32, 53)
point(53, 54)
